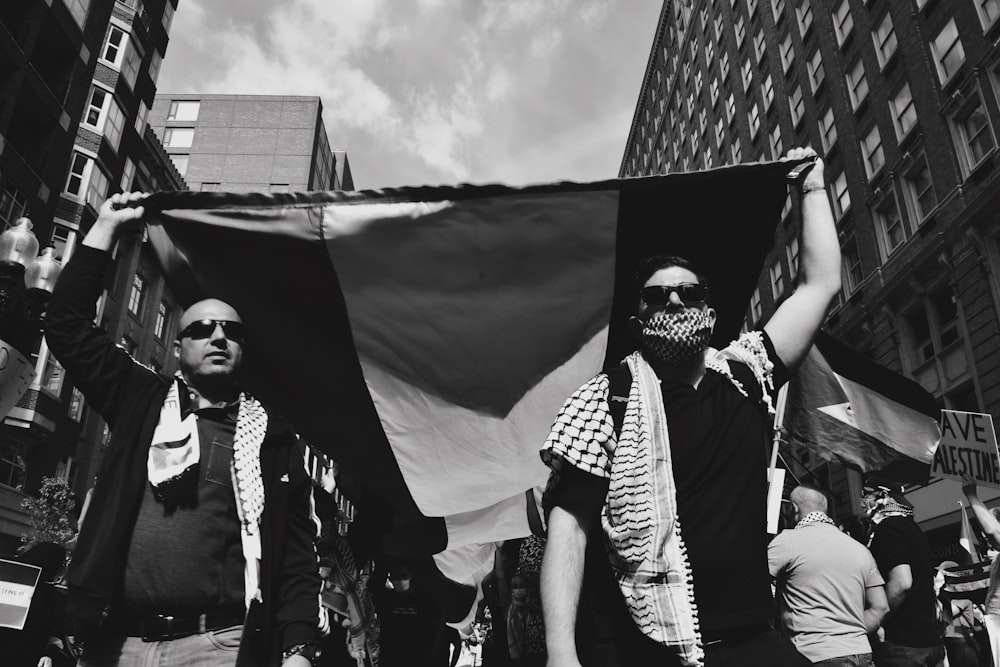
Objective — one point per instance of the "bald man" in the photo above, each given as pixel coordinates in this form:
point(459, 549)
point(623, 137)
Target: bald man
point(181, 561)
point(828, 587)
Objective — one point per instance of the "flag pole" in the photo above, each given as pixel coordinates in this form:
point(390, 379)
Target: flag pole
point(776, 482)
point(779, 429)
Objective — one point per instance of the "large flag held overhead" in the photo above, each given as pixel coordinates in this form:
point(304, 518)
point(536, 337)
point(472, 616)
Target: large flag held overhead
point(847, 408)
point(426, 337)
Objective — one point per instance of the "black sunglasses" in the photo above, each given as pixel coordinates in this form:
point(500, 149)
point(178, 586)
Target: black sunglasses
point(690, 294)
point(205, 328)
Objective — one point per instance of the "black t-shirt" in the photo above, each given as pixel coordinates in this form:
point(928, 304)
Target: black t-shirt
point(719, 441)
point(899, 541)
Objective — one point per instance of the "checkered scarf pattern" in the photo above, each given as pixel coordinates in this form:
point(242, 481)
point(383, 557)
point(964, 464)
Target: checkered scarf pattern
point(655, 575)
point(676, 337)
point(248, 483)
point(814, 517)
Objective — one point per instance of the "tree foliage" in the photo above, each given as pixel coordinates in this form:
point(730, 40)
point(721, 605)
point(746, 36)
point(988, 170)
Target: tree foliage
point(52, 518)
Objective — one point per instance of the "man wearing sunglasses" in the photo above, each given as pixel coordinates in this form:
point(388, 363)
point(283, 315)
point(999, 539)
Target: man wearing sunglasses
point(657, 543)
point(181, 560)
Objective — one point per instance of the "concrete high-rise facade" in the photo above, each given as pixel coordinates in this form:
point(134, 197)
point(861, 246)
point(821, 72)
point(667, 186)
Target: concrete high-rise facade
point(77, 79)
point(250, 143)
point(903, 101)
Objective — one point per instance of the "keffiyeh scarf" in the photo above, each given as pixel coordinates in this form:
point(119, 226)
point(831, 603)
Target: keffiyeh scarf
point(176, 450)
point(644, 539)
point(814, 517)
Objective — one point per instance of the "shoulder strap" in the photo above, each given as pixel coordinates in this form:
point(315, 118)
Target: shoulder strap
point(619, 386)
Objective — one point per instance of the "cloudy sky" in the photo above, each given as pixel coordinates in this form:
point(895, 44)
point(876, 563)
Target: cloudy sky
point(434, 91)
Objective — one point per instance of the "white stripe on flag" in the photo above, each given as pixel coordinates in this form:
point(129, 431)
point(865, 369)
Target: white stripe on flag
point(908, 431)
point(490, 313)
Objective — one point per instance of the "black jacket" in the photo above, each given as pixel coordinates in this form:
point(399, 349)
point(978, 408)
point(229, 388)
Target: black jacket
point(129, 397)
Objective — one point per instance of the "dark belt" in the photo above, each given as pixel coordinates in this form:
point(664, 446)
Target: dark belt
point(162, 627)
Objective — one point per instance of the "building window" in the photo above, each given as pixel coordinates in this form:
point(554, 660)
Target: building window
point(78, 8)
point(949, 54)
point(974, 134)
point(707, 157)
point(731, 107)
point(857, 84)
point(76, 405)
point(758, 45)
point(891, 227)
point(703, 120)
point(841, 195)
point(814, 67)
point(13, 204)
point(933, 326)
point(140, 118)
point(160, 324)
point(756, 309)
point(751, 7)
point(775, 140)
point(168, 15)
point(827, 130)
point(988, 10)
point(135, 297)
point(767, 89)
point(736, 149)
point(719, 22)
point(851, 273)
point(209, 187)
point(724, 64)
point(777, 280)
point(797, 105)
point(778, 8)
point(871, 151)
point(720, 132)
point(885, 39)
point(154, 65)
point(87, 181)
point(843, 22)
point(52, 375)
point(709, 50)
point(13, 463)
point(105, 116)
point(741, 31)
point(904, 113)
point(115, 45)
point(786, 52)
point(715, 91)
point(181, 162)
point(919, 189)
point(747, 71)
point(804, 14)
point(128, 175)
point(754, 120)
point(178, 137)
point(792, 255)
point(63, 238)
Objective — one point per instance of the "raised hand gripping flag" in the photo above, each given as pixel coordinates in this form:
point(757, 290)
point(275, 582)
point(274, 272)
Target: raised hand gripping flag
point(426, 337)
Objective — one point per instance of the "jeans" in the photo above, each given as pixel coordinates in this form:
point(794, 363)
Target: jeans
point(211, 649)
point(888, 654)
point(855, 660)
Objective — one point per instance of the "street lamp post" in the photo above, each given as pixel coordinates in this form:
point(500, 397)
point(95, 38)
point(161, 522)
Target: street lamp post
point(26, 282)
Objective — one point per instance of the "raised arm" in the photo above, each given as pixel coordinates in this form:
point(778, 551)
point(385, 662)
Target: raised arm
point(561, 581)
point(986, 520)
point(96, 364)
point(795, 322)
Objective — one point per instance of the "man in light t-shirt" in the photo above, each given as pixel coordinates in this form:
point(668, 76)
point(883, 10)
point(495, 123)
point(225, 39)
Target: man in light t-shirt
point(828, 586)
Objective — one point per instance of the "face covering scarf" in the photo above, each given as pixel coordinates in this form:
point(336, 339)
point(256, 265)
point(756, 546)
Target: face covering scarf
point(676, 337)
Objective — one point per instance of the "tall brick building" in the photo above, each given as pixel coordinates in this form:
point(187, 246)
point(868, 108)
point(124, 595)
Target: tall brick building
point(903, 100)
point(250, 143)
point(77, 78)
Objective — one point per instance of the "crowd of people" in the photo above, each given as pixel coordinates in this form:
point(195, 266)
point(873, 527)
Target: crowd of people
point(201, 542)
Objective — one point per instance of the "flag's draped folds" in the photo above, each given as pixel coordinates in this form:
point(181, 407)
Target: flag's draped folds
point(426, 337)
point(845, 407)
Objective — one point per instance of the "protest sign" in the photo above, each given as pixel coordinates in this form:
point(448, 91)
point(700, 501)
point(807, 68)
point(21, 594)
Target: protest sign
point(17, 586)
point(968, 447)
point(16, 374)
